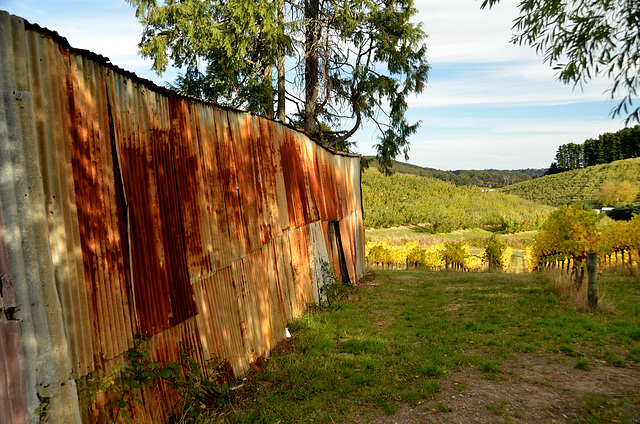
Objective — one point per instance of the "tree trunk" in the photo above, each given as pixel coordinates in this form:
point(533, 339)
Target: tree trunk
point(268, 101)
point(311, 46)
point(281, 114)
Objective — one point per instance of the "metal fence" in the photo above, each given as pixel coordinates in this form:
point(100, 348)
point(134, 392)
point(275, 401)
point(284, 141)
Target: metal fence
point(127, 209)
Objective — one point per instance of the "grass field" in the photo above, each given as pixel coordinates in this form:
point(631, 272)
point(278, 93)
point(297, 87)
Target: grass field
point(452, 347)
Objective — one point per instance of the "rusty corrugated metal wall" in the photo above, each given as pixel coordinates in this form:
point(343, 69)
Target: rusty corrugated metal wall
point(126, 208)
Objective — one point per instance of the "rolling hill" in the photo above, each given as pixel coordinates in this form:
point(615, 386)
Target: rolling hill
point(439, 206)
point(486, 178)
point(579, 185)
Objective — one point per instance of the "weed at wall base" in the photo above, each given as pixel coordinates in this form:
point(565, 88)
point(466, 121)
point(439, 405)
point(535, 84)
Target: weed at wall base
point(332, 289)
point(113, 398)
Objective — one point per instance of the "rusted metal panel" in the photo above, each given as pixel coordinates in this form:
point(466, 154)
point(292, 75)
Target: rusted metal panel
point(99, 211)
point(55, 145)
point(13, 390)
point(264, 317)
point(13, 393)
point(277, 302)
point(32, 273)
point(187, 140)
point(286, 276)
point(347, 225)
point(229, 181)
point(258, 302)
point(316, 184)
point(162, 401)
point(269, 170)
point(305, 148)
point(219, 320)
point(301, 265)
point(244, 142)
point(328, 186)
point(293, 181)
point(337, 162)
point(159, 265)
point(220, 182)
point(282, 202)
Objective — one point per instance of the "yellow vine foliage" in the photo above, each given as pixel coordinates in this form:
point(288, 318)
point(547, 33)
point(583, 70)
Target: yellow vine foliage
point(473, 263)
point(382, 252)
point(505, 260)
point(431, 257)
point(530, 259)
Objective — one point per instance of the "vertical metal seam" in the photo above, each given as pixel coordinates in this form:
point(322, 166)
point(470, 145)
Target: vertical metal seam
point(180, 218)
point(117, 162)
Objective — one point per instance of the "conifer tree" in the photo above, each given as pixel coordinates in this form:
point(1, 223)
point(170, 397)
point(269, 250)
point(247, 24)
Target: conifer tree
point(349, 61)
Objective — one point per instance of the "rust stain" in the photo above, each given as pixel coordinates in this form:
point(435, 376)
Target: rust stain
point(186, 139)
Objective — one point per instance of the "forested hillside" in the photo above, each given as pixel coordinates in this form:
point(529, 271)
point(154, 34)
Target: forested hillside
point(402, 199)
point(580, 185)
point(487, 178)
point(607, 148)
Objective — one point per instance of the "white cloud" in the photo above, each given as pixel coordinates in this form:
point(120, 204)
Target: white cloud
point(496, 71)
point(499, 142)
point(459, 32)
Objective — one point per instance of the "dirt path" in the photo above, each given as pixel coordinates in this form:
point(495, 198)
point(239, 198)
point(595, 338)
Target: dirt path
point(530, 390)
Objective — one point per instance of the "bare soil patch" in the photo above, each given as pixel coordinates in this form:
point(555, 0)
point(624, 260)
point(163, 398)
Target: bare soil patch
point(531, 389)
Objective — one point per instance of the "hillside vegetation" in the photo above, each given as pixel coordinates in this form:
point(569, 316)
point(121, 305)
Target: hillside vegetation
point(486, 178)
point(579, 185)
point(608, 147)
point(404, 200)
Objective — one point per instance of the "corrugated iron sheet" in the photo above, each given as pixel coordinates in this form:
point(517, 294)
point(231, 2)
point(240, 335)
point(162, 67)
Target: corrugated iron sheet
point(130, 209)
point(13, 390)
point(25, 135)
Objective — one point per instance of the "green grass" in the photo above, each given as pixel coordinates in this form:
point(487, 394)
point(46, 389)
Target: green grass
point(421, 234)
point(399, 337)
point(582, 364)
point(605, 409)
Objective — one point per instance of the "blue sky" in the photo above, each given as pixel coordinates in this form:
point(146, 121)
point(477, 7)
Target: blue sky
point(488, 103)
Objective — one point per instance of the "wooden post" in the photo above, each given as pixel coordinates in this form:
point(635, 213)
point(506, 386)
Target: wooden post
point(490, 261)
point(592, 268)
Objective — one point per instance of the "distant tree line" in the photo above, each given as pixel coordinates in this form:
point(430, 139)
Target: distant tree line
point(608, 147)
point(491, 178)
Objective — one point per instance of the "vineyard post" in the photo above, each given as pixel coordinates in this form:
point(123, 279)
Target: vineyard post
point(592, 268)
